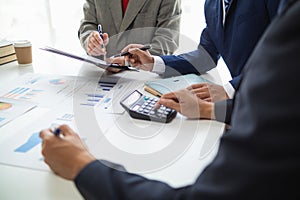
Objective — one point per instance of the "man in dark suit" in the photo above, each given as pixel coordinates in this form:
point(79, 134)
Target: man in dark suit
point(232, 32)
point(260, 157)
point(233, 29)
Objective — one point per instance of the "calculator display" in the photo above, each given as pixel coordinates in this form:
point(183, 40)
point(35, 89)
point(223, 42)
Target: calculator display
point(131, 99)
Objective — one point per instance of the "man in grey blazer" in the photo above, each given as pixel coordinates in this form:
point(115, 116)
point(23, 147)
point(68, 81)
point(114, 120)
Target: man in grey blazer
point(155, 22)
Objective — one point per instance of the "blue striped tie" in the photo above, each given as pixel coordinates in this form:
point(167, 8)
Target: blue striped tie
point(227, 3)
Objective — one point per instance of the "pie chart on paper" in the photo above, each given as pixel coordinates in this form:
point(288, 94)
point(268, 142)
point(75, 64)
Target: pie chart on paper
point(5, 106)
point(57, 81)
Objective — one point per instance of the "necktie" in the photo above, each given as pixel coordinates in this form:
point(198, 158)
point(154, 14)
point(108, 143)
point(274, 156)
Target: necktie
point(124, 5)
point(227, 4)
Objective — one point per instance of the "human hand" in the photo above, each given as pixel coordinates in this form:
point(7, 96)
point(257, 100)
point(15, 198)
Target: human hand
point(118, 60)
point(139, 58)
point(95, 43)
point(66, 155)
point(188, 104)
point(209, 92)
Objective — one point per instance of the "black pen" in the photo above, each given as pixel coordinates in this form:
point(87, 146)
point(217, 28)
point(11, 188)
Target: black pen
point(143, 48)
point(55, 129)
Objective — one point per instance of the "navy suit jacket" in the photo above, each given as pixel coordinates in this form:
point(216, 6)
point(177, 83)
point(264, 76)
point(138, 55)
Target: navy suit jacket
point(245, 23)
point(260, 158)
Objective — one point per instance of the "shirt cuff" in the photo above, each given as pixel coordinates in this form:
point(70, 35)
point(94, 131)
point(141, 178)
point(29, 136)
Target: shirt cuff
point(126, 63)
point(159, 66)
point(229, 90)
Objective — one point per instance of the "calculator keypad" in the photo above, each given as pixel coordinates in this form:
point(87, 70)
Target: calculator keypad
point(148, 108)
point(140, 106)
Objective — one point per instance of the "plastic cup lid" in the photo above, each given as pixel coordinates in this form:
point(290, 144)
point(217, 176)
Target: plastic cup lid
point(22, 43)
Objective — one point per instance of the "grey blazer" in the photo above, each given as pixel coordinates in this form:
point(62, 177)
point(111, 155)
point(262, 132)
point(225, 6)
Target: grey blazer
point(145, 21)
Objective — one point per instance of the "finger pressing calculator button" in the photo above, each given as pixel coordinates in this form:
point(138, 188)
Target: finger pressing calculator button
point(162, 108)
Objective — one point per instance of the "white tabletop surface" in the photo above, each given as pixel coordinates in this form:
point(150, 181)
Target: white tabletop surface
point(23, 183)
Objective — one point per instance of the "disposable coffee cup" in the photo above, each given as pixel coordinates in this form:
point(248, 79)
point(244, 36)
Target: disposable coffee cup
point(23, 50)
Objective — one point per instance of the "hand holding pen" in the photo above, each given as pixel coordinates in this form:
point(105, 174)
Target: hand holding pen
point(101, 35)
point(65, 154)
point(125, 55)
point(139, 57)
point(96, 42)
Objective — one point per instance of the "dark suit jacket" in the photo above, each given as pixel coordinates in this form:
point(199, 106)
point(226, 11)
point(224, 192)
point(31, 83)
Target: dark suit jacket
point(245, 22)
point(260, 158)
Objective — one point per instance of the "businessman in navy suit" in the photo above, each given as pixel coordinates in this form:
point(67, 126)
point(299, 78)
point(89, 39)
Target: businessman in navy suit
point(233, 30)
point(231, 36)
point(258, 159)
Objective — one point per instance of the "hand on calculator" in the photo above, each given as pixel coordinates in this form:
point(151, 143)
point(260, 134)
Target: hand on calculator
point(143, 107)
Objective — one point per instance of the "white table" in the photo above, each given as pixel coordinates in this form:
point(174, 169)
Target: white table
point(22, 183)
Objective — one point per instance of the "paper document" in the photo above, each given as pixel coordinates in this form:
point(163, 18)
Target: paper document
point(99, 63)
point(23, 147)
point(90, 106)
point(47, 90)
point(12, 108)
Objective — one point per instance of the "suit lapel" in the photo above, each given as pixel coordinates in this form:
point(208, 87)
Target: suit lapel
point(115, 7)
point(134, 6)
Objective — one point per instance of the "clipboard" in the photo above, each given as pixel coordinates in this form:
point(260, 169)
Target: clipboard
point(89, 59)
